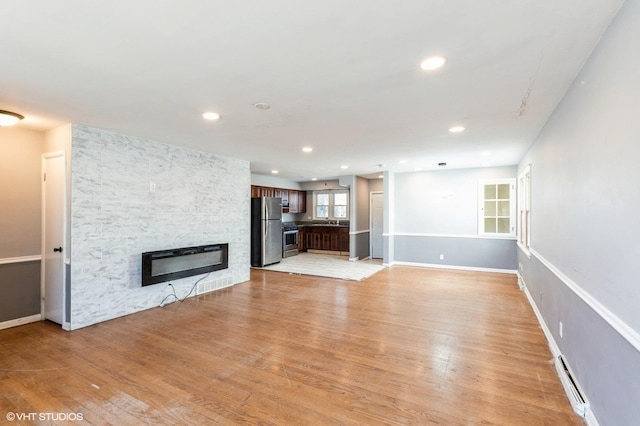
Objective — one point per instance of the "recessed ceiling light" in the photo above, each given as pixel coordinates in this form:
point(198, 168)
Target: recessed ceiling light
point(314, 178)
point(211, 116)
point(456, 129)
point(344, 166)
point(380, 176)
point(307, 149)
point(275, 172)
point(433, 63)
point(261, 105)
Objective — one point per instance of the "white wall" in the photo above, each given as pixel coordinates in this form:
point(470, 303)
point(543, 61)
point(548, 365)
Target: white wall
point(273, 182)
point(442, 202)
point(200, 198)
point(585, 236)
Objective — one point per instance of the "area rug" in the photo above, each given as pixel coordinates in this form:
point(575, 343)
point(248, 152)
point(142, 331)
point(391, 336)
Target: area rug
point(322, 265)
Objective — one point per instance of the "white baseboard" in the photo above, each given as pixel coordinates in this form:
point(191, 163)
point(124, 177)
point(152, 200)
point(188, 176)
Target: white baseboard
point(463, 268)
point(585, 411)
point(20, 321)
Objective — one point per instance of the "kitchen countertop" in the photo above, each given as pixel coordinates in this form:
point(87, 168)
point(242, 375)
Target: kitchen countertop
point(326, 225)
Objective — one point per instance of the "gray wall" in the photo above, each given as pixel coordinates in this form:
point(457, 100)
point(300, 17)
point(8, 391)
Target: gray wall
point(20, 286)
point(479, 253)
point(436, 213)
point(200, 198)
point(585, 235)
point(20, 200)
point(376, 185)
point(359, 229)
point(20, 211)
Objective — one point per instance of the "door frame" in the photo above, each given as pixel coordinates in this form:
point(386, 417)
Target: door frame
point(371, 221)
point(43, 221)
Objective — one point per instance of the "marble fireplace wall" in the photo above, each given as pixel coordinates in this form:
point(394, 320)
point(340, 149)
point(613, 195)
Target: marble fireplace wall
point(131, 195)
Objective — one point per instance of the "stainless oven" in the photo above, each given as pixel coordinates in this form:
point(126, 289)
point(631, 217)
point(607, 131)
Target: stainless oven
point(289, 239)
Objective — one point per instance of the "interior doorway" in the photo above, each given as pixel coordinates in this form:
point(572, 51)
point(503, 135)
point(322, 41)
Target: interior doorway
point(53, 236)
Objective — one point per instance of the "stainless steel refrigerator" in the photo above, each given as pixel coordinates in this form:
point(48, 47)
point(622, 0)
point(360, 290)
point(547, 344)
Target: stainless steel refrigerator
point(266, 231)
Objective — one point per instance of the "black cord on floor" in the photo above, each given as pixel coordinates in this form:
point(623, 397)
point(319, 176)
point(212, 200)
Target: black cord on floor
point(175, 296)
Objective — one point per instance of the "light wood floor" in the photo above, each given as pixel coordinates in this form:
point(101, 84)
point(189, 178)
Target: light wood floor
point(406, 346)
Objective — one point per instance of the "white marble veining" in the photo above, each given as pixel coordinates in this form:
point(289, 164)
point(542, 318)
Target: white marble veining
point(199, 198)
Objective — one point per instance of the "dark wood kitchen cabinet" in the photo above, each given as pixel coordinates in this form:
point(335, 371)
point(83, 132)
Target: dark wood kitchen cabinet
point(334, 238)
point(343, 238)
point(282, 193)
point(297, 200)
point(302, 235)
point(267, 192)
point(262, 191)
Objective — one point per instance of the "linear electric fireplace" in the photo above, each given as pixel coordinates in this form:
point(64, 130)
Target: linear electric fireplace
point(165, 265)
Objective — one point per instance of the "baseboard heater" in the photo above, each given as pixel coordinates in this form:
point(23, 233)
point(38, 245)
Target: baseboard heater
point(165, 265)
point(578, 402)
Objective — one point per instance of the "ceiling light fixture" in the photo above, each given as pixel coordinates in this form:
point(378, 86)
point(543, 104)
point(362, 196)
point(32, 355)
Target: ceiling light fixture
point(275, 172)
point(307, 149)
point(8, 118)
point(456, 129)
point(314, 178)
point(344, 167)
point(380, 176)
point(261, 105)
point(433, 63)
point(211, 116)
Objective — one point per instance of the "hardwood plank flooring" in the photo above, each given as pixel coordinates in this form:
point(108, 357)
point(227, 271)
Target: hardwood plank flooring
point(405, 346)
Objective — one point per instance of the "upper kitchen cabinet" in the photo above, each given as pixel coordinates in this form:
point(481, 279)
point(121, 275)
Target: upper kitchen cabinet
point(284, 194)
point(295, 199)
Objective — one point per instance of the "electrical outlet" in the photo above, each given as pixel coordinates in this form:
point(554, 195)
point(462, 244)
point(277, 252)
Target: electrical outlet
point(560, 329)
point(442, 257)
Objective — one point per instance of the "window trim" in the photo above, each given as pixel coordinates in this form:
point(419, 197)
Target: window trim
point(512, 207)
point(332, 193)
point(524, 207)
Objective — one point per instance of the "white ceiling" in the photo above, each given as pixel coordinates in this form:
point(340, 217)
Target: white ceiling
point(341, 76)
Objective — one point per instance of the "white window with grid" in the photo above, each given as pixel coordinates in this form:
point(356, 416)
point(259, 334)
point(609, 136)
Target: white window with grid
point(331, 205)
point(497, 207)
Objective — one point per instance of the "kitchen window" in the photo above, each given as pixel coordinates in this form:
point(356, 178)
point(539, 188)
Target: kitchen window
point(331, 205)
point(496, 207)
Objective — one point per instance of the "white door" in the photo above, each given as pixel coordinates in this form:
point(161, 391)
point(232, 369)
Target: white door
point(377, 205)
point(53, 213)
